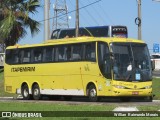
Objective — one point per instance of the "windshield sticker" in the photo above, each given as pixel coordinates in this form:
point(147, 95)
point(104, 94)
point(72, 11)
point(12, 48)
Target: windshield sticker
point(138, 76)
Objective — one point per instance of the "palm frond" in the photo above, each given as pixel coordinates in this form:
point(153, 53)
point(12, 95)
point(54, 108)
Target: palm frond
point(33, 25)
point(15, 19)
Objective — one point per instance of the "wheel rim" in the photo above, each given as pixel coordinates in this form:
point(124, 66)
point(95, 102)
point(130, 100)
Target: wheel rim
point(25, 92)
point(36, 92)
point(92, 93)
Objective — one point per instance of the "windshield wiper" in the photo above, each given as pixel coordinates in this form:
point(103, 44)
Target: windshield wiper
point(129, 77)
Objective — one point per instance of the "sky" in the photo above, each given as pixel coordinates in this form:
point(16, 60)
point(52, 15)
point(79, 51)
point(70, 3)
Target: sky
point(107, 12)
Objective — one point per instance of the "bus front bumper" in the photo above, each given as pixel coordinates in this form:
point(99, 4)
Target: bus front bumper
point(132, 92)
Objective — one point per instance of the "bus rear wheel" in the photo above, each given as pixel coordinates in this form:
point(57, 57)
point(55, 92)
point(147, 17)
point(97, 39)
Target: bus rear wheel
point(36, 92)
point(92, 93)
point(25, 92)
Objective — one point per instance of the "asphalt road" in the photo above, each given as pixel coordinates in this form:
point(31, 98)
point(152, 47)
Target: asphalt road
point(156, 74)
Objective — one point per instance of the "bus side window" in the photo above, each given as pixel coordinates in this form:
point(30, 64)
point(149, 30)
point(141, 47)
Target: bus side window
point(68, 53)
point(60, 56)
point(90, 52)
point(8, 58)
point(26, 56)
point(77, 52)
point(48, 54)
point(12, 56)
point(15, 57)
point(37, 54)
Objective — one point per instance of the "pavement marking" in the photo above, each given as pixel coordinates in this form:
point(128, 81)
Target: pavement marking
point(125, 109)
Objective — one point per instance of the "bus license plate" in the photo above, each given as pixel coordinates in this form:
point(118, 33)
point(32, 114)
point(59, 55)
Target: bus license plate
point(135, 93)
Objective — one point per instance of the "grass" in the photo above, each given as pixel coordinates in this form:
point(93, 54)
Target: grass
point(148, 108)
point(156, 88)
point(37, 106)
point(51, 107)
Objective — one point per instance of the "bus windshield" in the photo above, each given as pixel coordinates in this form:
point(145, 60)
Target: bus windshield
point(131, 62)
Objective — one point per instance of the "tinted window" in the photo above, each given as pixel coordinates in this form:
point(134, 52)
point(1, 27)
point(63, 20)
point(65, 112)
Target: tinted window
point(98, 31)
point(55, 34)
point(37, 54)
point(62, 53)
point(104, 60)
point(26, 57)
point(12, 56)
point(90, 52)
point(69, 33)
point(48, 54)
point(76, 52)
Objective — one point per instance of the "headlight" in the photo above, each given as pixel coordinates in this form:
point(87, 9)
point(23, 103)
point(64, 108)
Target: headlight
point(119, 86)
point(148, 87)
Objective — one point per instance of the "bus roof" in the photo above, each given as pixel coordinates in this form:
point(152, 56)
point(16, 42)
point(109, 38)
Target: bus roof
point(77, 40)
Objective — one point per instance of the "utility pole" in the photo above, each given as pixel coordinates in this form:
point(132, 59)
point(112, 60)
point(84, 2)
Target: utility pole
point(46, 18)
point(60, 19)
point(140, 24)
point(77, 18)
point(138, 20)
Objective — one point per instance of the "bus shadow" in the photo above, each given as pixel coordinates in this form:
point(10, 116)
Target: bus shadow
point(103, 99)
point(83, 99)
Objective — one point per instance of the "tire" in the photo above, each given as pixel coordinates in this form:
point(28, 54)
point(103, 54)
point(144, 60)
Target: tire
point(151, 99)
point(92, 93)
point(25, 92)
point(148, 99)
point(36, 92)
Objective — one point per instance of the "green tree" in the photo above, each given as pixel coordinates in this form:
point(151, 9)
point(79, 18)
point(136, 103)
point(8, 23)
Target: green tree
point(15, 19)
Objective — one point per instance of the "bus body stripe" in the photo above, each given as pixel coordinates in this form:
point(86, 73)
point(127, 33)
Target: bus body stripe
point(75, 92)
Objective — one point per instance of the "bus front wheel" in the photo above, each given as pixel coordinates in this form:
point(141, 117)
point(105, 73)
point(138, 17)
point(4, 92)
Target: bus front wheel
point(25, 92)
point(36, 92)
point(92, 93)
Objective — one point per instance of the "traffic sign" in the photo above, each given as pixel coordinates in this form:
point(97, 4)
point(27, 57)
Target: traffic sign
point(156, 48)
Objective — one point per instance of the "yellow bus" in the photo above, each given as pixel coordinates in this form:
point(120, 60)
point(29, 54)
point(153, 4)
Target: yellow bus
point(84, 66)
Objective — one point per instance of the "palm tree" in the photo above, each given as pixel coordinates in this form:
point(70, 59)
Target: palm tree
point(14, 19)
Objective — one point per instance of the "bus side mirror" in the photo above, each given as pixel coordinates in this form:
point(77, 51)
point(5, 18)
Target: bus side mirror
point(152, 64)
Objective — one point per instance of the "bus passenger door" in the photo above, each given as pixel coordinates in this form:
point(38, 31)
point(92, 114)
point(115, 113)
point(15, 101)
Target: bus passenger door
point(105, 65)
point(74, 57)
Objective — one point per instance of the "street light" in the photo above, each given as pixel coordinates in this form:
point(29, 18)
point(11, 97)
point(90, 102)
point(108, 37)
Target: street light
point(138, 20)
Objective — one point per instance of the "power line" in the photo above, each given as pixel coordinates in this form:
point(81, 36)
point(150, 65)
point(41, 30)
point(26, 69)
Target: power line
point(91, 16)
point(86, 20)
point(72, 10)
point(106, 14)
point(98, 13)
